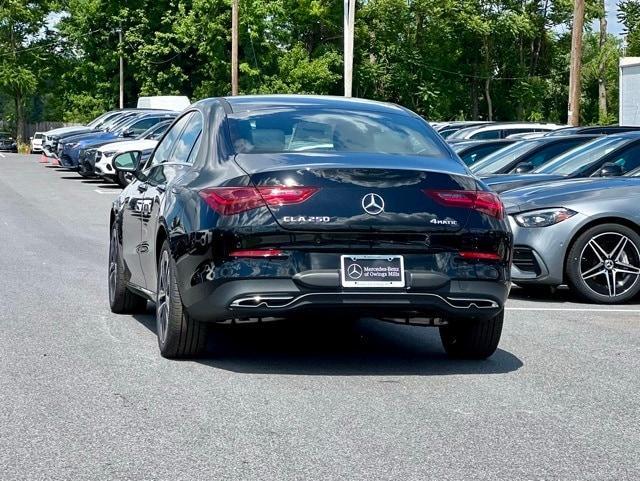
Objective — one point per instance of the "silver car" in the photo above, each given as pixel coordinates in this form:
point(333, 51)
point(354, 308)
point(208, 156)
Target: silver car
point(583, 233)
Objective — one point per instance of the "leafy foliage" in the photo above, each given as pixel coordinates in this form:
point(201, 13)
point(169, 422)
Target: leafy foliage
point(446, 59)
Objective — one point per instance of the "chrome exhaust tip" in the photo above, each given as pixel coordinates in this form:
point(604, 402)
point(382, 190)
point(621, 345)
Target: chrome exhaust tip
point(262, 301)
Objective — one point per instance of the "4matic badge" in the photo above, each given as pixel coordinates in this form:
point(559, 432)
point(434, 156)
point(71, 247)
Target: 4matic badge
point(444, 221)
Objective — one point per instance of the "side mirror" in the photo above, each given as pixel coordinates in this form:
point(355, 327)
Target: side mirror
point(523, 168)
point(31, 138)
point(610, 170)
point(127, 161)
point(128, 133)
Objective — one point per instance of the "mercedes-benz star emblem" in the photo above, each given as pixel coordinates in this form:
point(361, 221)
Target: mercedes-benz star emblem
point(373, 204)
point(354, 271)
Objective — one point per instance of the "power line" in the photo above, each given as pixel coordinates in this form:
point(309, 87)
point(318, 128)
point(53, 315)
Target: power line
point(42, 45)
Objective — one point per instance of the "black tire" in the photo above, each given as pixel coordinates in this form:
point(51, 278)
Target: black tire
point(466, 339)
point(121, 299)
point(614, 283)
point(179, 335)
point(122, 180)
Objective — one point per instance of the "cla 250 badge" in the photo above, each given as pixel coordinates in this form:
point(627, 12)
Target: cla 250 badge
point(305, 219)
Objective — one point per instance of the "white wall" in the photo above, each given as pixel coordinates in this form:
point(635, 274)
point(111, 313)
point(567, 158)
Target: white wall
point(630, 91)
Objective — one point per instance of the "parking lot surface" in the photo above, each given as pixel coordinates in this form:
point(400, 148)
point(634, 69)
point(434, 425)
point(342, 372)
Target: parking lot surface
point(85, 394)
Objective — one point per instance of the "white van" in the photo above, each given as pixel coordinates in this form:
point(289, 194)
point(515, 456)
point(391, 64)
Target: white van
point(176, 103)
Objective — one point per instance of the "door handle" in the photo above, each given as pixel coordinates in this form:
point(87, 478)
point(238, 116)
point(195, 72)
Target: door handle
point(161, 188)
point(142, 187)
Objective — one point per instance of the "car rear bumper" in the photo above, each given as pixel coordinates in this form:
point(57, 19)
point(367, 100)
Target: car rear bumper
point(269, 298)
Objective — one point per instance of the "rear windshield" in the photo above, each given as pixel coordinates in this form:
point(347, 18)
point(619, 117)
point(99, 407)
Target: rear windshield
point(328, 130)
point(37, 136)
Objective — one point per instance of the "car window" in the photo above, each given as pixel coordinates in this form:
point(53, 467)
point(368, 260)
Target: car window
point(332, 130)
point(503, 157)
point(155, 132)
point(142, 125)
point(478, 152)
point(187, 140)
point(486, 134)
point(37, 136)
point(548, 152)
point(165, 147)
point(628, 159)
point(582, 157)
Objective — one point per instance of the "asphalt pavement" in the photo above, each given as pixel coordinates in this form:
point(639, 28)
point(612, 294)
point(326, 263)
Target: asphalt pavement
point(85, 395)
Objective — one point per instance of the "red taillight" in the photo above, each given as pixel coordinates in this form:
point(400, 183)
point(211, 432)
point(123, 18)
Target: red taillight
point(481, 256)
point(486, 202)
point(257, 253)
point(233, 200)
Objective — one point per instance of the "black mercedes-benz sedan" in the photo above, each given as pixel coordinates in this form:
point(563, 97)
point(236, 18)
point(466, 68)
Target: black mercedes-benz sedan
point(267, 207)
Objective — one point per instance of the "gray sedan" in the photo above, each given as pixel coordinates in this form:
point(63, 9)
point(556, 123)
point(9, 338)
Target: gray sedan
point(583, 233)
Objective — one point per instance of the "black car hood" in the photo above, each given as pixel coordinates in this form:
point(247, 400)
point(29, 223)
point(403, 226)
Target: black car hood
point(504, 182)
point(561, 193)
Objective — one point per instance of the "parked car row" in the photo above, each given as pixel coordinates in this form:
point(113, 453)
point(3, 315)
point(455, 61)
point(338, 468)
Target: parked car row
point(570, 198)
point(89, 149)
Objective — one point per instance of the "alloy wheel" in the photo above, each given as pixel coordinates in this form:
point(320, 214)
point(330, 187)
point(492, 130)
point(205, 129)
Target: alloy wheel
point(113, 263)
point(610, 264)
point(162, 302)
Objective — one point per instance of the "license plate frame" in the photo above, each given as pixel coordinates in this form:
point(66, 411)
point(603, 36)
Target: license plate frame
point(363, 280)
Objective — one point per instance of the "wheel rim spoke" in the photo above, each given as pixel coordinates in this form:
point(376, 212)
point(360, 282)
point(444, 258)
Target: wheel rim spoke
point(113, 263)
point(589, 273)
point(599, 251)
point(625, 268)
point(618, 250)
point(162, 301)
point(610, 285)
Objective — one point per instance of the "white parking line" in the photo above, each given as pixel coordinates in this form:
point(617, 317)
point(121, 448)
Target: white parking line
point(569, 309)
point(105, 191)
point(1, 155)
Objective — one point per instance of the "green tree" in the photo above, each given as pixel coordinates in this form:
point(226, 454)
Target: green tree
point(21, 25)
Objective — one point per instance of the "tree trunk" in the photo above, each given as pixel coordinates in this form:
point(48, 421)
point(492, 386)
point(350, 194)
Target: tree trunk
point(20, 127)
point(475, 110)
point(602, 74)
point(487, 94)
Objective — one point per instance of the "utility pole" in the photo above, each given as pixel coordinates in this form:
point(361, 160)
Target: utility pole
point(576, 63)
point(602, 67)
point(234, 47)
point(121, 68)
point(349, 26)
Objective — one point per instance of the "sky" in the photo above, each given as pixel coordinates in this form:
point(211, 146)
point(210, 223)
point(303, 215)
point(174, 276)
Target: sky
point(613, 25)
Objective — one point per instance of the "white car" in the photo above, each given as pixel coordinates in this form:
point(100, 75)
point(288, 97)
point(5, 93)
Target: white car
point(146, 142)
point(36, 142)
point(105, 154)
point(500, 130)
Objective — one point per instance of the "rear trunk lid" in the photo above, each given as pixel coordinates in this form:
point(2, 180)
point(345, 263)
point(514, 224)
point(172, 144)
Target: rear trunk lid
point(363, 192)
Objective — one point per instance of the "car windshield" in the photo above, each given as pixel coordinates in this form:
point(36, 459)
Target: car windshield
point(503, 157)
point(95, 123)
point(329, 130)
point(37, 136)
point(460, 146)
point(582, 157)
point(154, 132)
point(4, 135)
point(562, 132)
point(117, 125)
